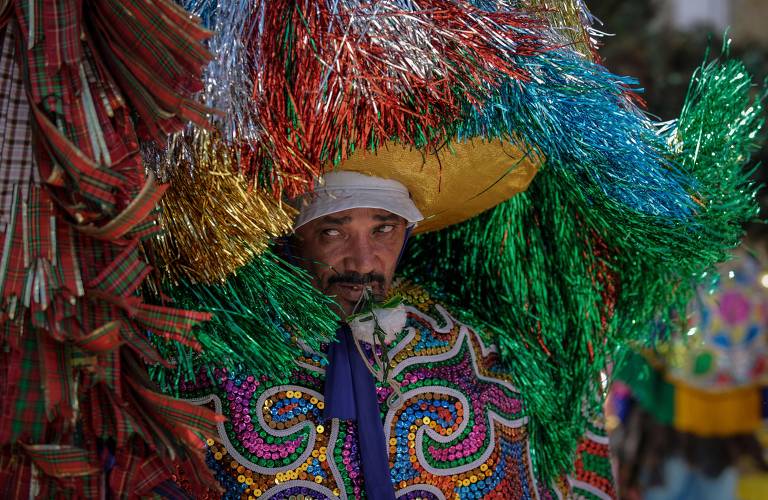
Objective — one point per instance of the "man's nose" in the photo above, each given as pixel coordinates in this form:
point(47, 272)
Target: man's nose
point(361, 257)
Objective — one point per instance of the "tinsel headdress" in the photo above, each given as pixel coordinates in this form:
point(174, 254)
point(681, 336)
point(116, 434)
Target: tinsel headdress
point(621, 220)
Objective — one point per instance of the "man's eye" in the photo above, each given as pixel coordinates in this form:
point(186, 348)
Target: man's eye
point(331, 232)
point(388, 228)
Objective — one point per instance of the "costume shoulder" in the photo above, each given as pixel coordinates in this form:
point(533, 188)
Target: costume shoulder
point(591, 475)
point(427, 303)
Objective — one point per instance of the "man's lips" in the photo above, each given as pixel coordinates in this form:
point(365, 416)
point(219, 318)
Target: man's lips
point(350, 286)
point(354, 289)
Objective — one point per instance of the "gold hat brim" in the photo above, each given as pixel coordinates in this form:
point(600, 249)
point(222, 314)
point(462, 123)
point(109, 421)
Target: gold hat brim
point(457, 181)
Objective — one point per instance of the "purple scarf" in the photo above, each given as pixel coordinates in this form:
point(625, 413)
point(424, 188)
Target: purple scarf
point(350, 394)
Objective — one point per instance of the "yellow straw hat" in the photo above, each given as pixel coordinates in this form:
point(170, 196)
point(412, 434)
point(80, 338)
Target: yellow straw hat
point(456, 182)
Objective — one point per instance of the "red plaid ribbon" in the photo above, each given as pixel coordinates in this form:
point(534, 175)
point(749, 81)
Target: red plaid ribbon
point(76, 87)
point(61, 460)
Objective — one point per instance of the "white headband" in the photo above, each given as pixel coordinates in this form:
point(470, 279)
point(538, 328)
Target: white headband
point(338, 191)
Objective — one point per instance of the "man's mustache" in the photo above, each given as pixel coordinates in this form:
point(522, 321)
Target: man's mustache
point(352, 278)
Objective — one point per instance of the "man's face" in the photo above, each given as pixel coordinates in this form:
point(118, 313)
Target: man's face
point(350, 250)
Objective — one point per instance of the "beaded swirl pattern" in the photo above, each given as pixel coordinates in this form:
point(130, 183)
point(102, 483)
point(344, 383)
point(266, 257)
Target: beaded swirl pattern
point(457, 429)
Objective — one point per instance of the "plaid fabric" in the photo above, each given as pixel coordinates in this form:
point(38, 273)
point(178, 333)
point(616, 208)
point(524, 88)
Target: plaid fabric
point(26, 272)
point(15, 474)
point(123, 276)
point(95, 184)
point(170, 490)
point(61, 460)
point(136, 213)
point(152, 89)
point(136, 340)
point(13, 265)
point(171, 324)
point(69, 292)
point(109, 418)
point(22, 414)
point(134, 473)
point(17, 166)
point(178, 412)
point(61, 26)
point(56, 375)
point(147, 229)
point(103, 339)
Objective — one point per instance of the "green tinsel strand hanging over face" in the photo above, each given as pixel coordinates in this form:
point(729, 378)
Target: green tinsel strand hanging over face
point(565, 277)
point(261, 317)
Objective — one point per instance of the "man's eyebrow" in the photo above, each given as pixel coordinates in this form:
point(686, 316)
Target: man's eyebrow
point(338, 221)
point(387, 218)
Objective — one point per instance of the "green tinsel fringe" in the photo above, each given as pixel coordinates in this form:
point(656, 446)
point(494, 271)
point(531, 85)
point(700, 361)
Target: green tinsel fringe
point(261, 316)
point(565, 278)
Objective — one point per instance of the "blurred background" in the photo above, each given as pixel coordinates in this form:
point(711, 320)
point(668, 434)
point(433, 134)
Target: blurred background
point(661, 42)
point(689, 421)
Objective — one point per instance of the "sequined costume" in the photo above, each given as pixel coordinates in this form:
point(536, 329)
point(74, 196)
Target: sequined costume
point(458, 429)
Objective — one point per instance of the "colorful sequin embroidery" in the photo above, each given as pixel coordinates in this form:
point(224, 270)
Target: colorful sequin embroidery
point(457, 429)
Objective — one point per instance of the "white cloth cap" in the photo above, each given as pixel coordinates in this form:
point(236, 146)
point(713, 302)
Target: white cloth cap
point(343, 190)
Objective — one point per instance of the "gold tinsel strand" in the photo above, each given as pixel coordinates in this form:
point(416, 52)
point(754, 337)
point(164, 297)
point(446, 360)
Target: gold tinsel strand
point(213, 223)
point(567, 17)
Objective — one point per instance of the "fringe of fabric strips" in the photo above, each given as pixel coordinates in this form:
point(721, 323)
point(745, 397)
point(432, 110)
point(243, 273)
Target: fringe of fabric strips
point(82, 81)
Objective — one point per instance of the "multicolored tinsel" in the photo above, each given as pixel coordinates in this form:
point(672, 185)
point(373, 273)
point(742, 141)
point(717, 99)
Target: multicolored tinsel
point(80, 82)
point(229, 77)
point(564, 277)
point(332, 77)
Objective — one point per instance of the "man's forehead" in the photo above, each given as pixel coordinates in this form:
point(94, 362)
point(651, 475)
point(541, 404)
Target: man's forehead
point(351, 214)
